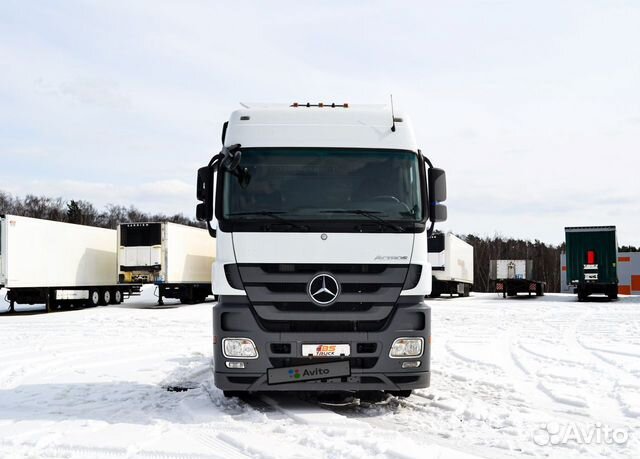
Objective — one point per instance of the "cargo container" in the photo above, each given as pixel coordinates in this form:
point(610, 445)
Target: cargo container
point(511, 277)
point(176, 258)
point(592, 255)
point(451, 261)
point(59, 264)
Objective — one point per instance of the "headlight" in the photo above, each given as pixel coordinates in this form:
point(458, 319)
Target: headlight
point(239, 348)
point(407, 347)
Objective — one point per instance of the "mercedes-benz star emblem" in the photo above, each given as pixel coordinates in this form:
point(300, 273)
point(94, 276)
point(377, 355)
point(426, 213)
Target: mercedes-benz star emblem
point(323, 289)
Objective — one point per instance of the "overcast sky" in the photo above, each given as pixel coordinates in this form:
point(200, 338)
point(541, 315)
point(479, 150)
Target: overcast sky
point(533, 109)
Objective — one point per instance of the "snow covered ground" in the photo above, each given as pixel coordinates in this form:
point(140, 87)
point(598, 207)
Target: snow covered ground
point(510, 377)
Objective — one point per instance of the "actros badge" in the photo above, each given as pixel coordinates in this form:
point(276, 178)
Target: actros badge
point(323, 289)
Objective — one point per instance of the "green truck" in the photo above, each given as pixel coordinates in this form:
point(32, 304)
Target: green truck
point(592, 256)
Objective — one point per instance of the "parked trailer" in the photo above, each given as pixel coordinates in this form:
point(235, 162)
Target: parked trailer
point(176, 258)
point(451, 261)
point(592, 255)
point(514, 276)
point(59, 264)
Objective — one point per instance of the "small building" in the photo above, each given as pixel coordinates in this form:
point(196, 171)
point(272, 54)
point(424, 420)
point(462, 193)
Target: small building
point(628, 274)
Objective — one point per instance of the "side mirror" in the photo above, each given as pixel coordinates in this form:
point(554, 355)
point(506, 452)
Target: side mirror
point(438, 213)
point(437, 185)
point(204, 193)
point(437, 194)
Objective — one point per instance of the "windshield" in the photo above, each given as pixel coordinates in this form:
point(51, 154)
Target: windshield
point(325, 184)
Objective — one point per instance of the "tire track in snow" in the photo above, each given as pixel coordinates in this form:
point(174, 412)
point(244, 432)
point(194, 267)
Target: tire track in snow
point(53, 364)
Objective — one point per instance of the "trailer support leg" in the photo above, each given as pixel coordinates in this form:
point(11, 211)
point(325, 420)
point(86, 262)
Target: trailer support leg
point(12, 306)
point(160, 301)
point(50, 299)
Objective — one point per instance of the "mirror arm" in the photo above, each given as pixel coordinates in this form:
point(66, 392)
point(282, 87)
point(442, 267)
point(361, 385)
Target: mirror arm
point(425, 159)
point(430, 230)
point(212, 231)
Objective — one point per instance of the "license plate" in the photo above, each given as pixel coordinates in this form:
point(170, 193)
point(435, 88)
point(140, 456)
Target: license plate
point(308, 372)
point(326, 350)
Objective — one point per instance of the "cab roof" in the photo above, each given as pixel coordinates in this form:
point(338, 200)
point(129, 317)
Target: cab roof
point(287, 125)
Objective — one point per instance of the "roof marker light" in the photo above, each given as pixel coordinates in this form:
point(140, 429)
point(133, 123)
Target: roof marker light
point(319, 104)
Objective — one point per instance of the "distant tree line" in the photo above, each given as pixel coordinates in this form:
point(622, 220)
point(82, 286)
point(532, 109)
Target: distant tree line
point(82, 212)
point(546, 259)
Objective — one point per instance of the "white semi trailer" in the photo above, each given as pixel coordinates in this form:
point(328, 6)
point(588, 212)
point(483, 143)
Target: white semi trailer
point(514, 276)
point(59, 264)
point(176, 258)
point(321, 214)
point(451, 261)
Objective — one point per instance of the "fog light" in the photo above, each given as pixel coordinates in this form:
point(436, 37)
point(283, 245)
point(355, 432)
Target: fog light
point(239, 348)
point(241, 364)
point(413, 364)
point(403, 348)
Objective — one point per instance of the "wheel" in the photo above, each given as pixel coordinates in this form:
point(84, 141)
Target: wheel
point(232, 393)
point(94, 297)
point(117, 297)
point(581, 295)
point(400, 393)
point(187, 299)
point(540, 290)
point(467, 290)
point(434, 295)
point(105, 298)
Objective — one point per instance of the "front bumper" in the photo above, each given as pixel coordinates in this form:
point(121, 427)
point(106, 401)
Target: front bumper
point(371, 369)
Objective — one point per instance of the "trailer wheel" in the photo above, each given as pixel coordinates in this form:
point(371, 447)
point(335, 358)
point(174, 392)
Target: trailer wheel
point(105, 298)
point(201, 298)
point(117, 297)
point(94, 298)
point(540, 290)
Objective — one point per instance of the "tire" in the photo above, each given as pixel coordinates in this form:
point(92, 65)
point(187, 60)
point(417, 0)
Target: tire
point(540, 290)
point(232, 393)
point(117, 296)
point(105, 297)
point(399, 393)
point(581, 295)
point(94, 298)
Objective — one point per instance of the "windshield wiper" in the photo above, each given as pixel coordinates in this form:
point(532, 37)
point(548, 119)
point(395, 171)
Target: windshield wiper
point(273, 214)
point(366, 213)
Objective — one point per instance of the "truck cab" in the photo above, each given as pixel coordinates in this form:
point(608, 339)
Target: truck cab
point(321, 214)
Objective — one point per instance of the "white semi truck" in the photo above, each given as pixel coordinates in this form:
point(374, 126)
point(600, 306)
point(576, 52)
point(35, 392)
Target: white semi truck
point(59, 264)
point(321, 214)
point(451, 260)
point(176, 258)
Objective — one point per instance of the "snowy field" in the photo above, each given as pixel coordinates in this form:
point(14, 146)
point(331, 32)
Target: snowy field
point(540, 377)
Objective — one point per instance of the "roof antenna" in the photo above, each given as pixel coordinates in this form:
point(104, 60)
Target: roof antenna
point(393, 118)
